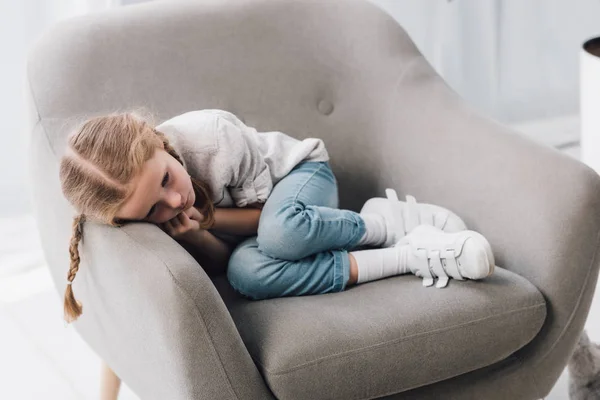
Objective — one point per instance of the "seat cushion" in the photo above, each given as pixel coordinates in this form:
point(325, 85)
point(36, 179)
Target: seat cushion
point(384, 336)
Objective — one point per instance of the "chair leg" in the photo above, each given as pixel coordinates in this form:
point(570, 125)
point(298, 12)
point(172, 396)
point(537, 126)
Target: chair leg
point(110, 383)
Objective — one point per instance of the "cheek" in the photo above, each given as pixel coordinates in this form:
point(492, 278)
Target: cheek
point(184, 181)
point(183, 175)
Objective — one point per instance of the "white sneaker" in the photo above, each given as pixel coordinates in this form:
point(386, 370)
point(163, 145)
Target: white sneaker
point(402, 217)
point(435, 253)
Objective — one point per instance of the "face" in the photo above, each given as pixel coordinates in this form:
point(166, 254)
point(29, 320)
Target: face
point(162, 190)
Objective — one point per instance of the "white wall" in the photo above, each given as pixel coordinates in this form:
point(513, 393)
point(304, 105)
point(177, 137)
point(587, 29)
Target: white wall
point(515, 60)
point(21, 22)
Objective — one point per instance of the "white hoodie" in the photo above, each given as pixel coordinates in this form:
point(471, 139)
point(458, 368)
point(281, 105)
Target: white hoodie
point(238, 163)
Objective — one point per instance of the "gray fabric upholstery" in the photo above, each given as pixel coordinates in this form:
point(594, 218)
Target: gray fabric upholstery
point(346, 72)
point(391, 336)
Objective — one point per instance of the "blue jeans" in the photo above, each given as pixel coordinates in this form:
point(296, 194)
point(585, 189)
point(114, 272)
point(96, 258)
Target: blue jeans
point(303, 239)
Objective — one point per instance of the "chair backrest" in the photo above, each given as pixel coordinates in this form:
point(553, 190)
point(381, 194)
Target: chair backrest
point(307, 68)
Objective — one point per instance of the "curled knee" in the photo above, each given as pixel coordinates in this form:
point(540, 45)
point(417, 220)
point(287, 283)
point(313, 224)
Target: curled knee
point(243, 275)
point(282, 236)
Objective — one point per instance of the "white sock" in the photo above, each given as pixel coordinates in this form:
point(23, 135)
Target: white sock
point(380, 263)
point(376, 232)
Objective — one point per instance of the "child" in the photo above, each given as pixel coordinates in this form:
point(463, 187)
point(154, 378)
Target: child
point(260, 206)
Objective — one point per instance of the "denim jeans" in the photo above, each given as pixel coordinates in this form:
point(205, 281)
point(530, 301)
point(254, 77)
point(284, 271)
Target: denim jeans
point(303, 239)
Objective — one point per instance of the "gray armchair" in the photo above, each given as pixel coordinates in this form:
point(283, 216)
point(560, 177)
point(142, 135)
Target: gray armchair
point(346, 72)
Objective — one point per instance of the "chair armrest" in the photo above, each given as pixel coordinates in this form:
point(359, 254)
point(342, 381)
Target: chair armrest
point(539, 208)
point(152, 313)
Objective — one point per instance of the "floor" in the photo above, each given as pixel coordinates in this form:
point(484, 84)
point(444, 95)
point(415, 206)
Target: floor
point(41, 358)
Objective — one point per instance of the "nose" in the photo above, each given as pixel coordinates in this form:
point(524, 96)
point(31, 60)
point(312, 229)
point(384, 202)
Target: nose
point(175, 200)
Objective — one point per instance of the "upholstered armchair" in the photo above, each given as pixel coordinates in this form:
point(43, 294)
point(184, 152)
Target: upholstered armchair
point(346, 72)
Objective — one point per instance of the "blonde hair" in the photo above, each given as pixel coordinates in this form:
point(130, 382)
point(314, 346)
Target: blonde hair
point(102, 157)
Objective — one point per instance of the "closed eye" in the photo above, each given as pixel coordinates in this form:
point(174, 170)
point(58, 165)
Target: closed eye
point(163, 183)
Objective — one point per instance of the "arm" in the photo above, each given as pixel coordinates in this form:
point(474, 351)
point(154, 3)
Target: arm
point(244, 168)
point(237, 221)
point(210, 252)
point(217, 146)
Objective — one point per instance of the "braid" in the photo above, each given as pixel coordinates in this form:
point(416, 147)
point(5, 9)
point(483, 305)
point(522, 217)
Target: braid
point(72, 307)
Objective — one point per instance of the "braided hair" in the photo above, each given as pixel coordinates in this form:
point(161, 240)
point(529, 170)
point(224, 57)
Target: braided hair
point(103, 157)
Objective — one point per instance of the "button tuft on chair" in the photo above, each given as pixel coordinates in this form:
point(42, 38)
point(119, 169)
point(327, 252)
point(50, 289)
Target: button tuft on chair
point(325, 107)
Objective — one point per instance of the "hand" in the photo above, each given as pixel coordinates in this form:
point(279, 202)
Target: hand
point(185, 225)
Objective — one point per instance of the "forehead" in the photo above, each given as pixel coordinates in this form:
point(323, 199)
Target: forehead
point(145, 187)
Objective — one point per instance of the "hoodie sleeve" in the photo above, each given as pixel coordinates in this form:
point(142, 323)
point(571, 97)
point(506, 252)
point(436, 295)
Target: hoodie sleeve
point(240, 164)
point(219, 149)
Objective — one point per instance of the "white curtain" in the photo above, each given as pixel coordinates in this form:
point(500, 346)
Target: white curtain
point(512, 59)
point(21, 22)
